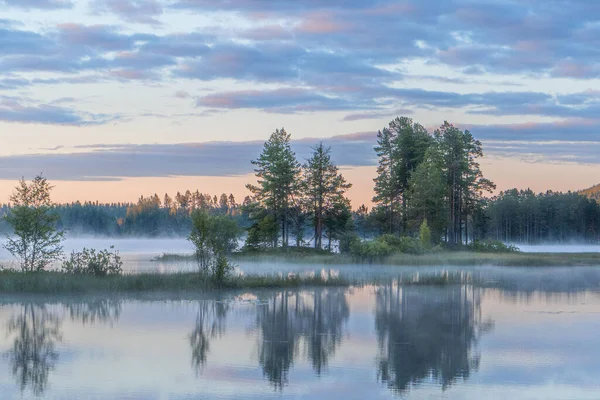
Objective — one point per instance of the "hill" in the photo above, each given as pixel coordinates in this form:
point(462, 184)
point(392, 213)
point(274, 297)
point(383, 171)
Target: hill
point(592, 193)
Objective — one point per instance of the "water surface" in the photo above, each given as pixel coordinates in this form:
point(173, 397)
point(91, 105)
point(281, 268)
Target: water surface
point(375, 342)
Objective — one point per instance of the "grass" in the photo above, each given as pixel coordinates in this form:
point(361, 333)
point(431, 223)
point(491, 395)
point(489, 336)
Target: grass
point(55, 283)
point(497, 259)
point(61, 283)
point(446, 258)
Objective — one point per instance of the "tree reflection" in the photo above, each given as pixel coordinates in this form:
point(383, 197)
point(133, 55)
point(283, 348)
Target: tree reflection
point(290, 318)
point(33, 354)
point(36, 329)
point(106, 311)
point(427, 334)
point(324, 326)
point(210, 323)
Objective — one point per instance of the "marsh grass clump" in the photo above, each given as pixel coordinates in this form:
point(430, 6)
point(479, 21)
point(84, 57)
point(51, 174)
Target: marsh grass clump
point(174, 257)
point(92, 262)
point(55, 282)
point(492, 246)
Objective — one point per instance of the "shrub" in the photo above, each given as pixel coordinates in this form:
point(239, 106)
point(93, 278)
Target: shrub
point(212, 236)
point(91, 262)
point(492, 246)
point(347, 242)
point(370, 250)
point(221, 269)
point(425, 235)
point(402, 244)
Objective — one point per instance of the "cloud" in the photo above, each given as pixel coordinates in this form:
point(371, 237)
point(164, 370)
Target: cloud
point(94, 38)
point(376, 114)
point(533, 142)
point(265, 63)
point(566, 131)
point(320, 55)
point(22, 111)
point(287, 100)
point(162, 160)
point(40, 4)
point(372, 99)
point(182, 94)
point(140, 11)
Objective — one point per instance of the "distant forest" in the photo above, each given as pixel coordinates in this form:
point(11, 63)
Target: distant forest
point(422, 178)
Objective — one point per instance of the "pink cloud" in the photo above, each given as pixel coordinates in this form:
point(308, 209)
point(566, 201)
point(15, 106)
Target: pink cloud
point(391, 9)
point(269, 32)
point(322, 22)
point(529, 45)
point(128, 74)
point(573, 70)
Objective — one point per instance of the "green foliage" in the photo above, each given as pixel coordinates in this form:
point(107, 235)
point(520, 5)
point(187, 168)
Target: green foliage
point(262, 234)
point(400, 148)
point(36, 242)
point(338, 221)
point(222, 268)
point(46, 282)
point(428, 193)
point(202, 239)
point(212, 236)
point(401, 244)
point(277, 172)
point(90, 262)
point(425, 235)
point(323, 191)
point(492, 246)
point(522, 216)
point(370, 250)
point(348, 241)
point(463, 178)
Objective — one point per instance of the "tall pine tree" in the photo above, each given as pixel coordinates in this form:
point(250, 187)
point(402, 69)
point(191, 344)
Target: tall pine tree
point(277, 172)
point(324, 189)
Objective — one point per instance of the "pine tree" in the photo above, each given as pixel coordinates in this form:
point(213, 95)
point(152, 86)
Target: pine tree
point(400, 148)
point(323, 188)
point(277, 171)
point(464, 180)
point(428, 194)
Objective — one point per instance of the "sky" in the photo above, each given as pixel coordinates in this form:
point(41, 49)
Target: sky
point(112, 99)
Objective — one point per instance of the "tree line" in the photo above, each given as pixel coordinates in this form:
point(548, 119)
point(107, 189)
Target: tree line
point(429, 186)
point(150, 216)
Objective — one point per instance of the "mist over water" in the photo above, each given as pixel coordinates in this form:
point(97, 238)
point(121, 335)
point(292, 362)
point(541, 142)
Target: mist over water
point(560, 248)
point(373, 342)
point(504, 332)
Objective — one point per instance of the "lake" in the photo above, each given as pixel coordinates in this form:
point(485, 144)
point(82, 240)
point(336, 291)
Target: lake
point(371, 342)
point(513, 333)
point(138, 253)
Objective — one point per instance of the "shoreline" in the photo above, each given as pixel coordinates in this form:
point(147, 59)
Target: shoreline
point(441, 259)
point(58, 283)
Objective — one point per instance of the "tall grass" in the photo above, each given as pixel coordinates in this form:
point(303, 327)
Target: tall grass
point(445, 258)
point(61, 283)
point(55, 283)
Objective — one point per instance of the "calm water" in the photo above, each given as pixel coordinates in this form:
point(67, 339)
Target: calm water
point(517, 333)
point(373, 342)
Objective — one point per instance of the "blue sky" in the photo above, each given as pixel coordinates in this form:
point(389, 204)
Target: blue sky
point(140, 93)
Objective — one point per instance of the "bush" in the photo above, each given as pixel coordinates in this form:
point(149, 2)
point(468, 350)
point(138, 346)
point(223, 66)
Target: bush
point(212, 236)
point(221, 269)
point(425, 235)
point(370, 250)
point(402, 244)
point(90, 262)
point(492, 246)
point(348, 241)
